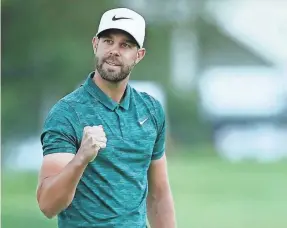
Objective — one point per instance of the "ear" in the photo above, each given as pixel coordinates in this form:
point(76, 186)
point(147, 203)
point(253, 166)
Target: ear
point(140, 55)
point(95, 43)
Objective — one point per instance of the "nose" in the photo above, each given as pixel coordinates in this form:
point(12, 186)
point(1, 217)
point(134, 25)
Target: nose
point(114, 51)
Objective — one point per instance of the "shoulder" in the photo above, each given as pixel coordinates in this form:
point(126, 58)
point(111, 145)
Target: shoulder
point(148, 99)
point(76, 96)
point(64, 108)
point(68, 100)
point(154, 105)
point(61, 107)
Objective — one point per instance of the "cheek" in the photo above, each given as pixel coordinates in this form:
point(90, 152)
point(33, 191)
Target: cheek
point(130, 58)
point(99, 55)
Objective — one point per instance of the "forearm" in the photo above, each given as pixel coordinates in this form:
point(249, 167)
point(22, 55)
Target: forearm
point(161, 213)
point(55, 193)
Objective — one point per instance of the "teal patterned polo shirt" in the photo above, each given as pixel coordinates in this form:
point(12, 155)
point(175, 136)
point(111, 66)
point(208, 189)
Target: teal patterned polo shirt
point(112, 191)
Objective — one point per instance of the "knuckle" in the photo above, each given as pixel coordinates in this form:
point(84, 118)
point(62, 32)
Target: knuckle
point(87, 129)
point(90, 140)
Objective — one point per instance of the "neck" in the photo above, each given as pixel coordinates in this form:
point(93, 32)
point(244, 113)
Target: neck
point(113, 90)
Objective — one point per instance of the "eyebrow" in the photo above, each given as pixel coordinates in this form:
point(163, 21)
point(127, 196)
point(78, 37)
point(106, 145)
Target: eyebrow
point(130, 41)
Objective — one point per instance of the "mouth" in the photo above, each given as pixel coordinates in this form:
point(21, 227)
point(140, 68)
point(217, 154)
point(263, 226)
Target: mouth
point(112, 63)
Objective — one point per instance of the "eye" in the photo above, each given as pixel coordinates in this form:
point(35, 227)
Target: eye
point(126, 45)
point(108, 41)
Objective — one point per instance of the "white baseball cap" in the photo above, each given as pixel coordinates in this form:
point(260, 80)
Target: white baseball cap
point(126, 20)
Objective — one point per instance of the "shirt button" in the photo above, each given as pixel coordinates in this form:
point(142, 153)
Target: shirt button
point(122, 124)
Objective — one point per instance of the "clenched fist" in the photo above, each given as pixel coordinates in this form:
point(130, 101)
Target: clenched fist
point(94, 138)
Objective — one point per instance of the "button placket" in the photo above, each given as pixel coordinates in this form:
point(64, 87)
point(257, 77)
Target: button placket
point(122, 124)
point(121, 121)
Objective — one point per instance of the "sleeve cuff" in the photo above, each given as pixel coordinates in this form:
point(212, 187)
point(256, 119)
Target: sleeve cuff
point(70, 150)
point(157, 155)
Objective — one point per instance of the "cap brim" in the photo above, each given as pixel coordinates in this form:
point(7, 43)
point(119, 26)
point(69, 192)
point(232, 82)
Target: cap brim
point(121, 29)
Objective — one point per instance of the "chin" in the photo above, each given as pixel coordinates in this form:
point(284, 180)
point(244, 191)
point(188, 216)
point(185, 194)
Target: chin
point(113, 79)
point(112, 70)
point(110, 78)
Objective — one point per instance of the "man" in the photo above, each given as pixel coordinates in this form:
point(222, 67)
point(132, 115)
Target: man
point(104, 162)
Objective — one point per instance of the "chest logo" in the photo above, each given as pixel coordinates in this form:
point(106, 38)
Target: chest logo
point(143, 121)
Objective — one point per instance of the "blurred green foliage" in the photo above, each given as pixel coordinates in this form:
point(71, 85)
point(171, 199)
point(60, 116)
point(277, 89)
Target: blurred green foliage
point(47, 50)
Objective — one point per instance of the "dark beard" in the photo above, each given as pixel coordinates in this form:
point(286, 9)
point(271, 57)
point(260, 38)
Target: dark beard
point(113, 76)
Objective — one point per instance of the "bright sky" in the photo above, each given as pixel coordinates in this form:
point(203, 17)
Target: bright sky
point(261, 24)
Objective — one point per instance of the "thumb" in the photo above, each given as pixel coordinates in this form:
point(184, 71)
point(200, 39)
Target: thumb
point(96, 147)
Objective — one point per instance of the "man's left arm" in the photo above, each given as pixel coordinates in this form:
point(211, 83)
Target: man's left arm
point(160, 206)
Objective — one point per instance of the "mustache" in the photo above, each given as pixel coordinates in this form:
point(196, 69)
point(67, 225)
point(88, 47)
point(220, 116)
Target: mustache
point(112, 59)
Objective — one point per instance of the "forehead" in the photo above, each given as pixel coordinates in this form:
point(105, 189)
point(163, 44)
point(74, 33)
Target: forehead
point(117, 33)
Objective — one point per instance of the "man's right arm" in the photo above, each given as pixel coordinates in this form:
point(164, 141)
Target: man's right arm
point(61, 172)
point(58, 179)
point(64, 159)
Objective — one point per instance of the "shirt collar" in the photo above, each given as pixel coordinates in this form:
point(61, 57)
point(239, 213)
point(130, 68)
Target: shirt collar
point(97, 93)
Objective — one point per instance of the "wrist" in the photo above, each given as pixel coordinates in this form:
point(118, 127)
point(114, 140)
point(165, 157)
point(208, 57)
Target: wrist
point(81, 160)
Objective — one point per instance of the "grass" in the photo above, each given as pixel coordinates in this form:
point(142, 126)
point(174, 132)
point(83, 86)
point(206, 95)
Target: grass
point(208, 192)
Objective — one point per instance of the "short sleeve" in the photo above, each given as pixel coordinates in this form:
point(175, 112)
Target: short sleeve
point(59, 133)
point(159, 147)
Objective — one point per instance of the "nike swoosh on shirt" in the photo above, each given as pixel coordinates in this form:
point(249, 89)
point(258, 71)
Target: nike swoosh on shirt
point(142, 122)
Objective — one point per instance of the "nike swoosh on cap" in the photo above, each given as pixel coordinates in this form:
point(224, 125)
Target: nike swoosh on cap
point(120, 18)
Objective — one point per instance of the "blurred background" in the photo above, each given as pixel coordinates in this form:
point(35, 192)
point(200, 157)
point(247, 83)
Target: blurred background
point(219, 67)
